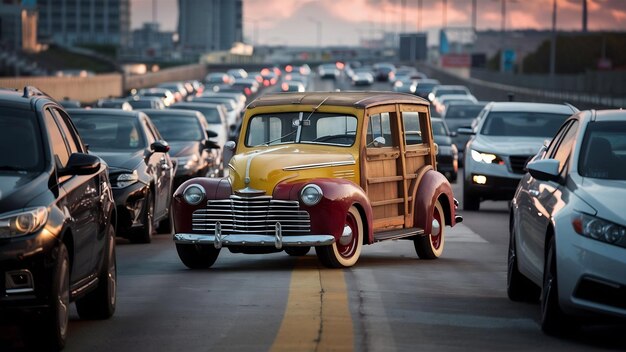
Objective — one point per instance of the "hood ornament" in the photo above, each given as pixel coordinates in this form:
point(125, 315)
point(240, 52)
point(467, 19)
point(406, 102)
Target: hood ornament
point(249, 192)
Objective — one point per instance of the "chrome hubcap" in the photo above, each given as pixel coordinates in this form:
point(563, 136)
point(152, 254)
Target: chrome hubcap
point(346, 236)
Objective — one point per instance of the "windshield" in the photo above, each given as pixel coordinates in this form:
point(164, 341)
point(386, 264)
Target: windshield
point(211, 113)
point(522, 124)
point(301, 127)
point(109, 132)
point(439, 129)
point(603, 152)
point(463, 111)
point(441, 92)
point(178, 128)
point(20, 141)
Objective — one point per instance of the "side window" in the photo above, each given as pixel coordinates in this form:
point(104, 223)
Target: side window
point(564, 149)
point(380, 126)
point(70, 134)
point(412, 132)
point(59, 148)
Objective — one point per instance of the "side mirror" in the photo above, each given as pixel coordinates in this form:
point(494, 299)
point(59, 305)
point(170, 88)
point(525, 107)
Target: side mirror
point(211, 145)
point(230, 145)
point(160, 147)
point(465, 131)
point(81, 164)
point(378, 142)
point(453, 134)
point(211, 133)
point(544, 170)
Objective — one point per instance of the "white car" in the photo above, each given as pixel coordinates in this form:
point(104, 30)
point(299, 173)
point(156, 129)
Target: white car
point(507, 136)
point(568, 225)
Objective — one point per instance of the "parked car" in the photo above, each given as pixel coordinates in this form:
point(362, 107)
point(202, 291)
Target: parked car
point(447, 153)
point(189, 137)
point(507, 136)
point(568, 228)
point(323, 172)
point(57, 221)
point(141, 172)
point(215, 115)
point(460, 115)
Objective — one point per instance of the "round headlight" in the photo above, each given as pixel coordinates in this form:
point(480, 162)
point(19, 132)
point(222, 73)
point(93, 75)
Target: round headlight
point(194, 194)
point(311, 194)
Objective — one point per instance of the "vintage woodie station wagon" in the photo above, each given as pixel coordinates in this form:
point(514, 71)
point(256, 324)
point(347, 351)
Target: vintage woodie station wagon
point(330, 170)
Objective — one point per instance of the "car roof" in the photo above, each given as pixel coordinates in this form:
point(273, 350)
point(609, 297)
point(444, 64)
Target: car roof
point(350, 99)
point(530, 107)
point(105, 111)
point(610, 115)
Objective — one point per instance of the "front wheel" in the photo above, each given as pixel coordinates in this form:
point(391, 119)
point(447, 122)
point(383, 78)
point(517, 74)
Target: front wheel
point(144, 234)
point(431, 246)
point(518, 287)
point(345, 252)
point(553, 320)
point(101, 302)
point(197, 256)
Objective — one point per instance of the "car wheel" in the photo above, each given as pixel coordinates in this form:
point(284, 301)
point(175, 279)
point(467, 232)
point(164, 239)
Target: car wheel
point(197, 256)
point(552, 318)
point(431, 246)
point(144, 234)
point(470, 202)
point(55, 319)
point(297, 251)
point(345, 252)
point(518, 287)
point(100, 303)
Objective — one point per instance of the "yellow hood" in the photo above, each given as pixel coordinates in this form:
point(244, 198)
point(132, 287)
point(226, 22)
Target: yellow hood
point(263, 168)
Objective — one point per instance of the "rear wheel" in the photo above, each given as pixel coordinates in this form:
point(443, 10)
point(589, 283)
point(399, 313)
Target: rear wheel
point(518, 287)
point(100, 303)
point(431, 246)
point(197, 256)
point(345, 252)
point(53, 332)
point(297, 251)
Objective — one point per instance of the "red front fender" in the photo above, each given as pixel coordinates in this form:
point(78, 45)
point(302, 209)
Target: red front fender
point(328, 216)
point(433, 186)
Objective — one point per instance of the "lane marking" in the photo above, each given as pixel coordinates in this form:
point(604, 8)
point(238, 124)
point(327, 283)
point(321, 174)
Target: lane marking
point(317, 316)
point(462, 233)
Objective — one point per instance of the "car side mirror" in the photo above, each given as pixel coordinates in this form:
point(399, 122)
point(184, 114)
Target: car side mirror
point(81, 164)
point(211, 145)
point(453, 134)
point(230, 145)
point(160, 147)
point(544, 169)
point(211, 133)
point(465, 131)
point(378, 142)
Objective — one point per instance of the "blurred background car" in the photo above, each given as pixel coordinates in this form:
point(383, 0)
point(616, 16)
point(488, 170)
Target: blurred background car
point(447, 154)
point(189, 138)
point(177, 88)
point(328, 71)
point(215, 78)
point(425, 86)
point(292, 86)
point(137, 102)
point(163, 93)
point(442, 101)
point(384, 72)
point(568, 228)
point(460, 115)
point(362, 77)
point(447, 89)
point(114, 103)
point(507, 136)
point(141, 171)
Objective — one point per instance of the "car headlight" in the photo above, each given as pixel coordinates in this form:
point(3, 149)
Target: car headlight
point(124, 179)
point(598, 229)
point(194, 194)
point(187, 162)
point(23, 222)
point(311, 194)
point(487, 158)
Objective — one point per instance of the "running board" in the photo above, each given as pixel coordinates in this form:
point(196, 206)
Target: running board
point(397, 234)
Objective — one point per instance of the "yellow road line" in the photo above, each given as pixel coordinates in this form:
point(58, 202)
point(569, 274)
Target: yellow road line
point(317, 317)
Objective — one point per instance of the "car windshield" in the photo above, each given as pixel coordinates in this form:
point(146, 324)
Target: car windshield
point(522, 124)
point(438, 128)
point(20, 140)
point(603, 152)
point(441, 92)
point(178, 128)
point(463, 111)
point(110, 132)
point(211, 113)
point(301, 127)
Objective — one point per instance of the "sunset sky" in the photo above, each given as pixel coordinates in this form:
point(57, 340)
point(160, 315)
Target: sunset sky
point(294, 22)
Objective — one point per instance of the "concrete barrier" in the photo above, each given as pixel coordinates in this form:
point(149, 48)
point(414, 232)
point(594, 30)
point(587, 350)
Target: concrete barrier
point(84, 89)
point(179, 73)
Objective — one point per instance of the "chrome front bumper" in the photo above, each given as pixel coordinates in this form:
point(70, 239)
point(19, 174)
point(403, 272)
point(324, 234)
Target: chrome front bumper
point(253, 240)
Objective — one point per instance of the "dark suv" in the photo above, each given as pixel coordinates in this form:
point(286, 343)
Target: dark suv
point(57, 220)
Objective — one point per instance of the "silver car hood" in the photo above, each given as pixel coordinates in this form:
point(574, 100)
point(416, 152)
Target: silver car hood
point(507, 145)
point(606, 197)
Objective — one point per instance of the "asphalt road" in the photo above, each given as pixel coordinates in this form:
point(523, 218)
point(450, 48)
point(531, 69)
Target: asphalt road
point(389, 301)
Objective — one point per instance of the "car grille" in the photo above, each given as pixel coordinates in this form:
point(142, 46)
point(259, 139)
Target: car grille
point(252, 215)
point(518, 163)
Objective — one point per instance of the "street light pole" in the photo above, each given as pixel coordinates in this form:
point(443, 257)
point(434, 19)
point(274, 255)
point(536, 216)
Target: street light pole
point(553, 42)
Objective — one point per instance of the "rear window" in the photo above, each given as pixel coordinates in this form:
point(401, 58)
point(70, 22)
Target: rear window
point(211, 114)
point(178, 128)
point(20, 140)
point(109, 132)
point(463, 111)
point(522, 124)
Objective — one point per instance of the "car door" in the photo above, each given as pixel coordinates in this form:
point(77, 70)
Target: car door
point(161, 165)
point(81, 196)
point(538, 202)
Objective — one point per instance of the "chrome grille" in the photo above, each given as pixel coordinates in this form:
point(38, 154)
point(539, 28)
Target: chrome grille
point(252, 215)
point(518, 163)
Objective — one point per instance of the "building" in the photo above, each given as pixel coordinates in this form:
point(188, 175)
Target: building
point(18, 26)
point(149, 42)
point(209, 25)
point(70, 22)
